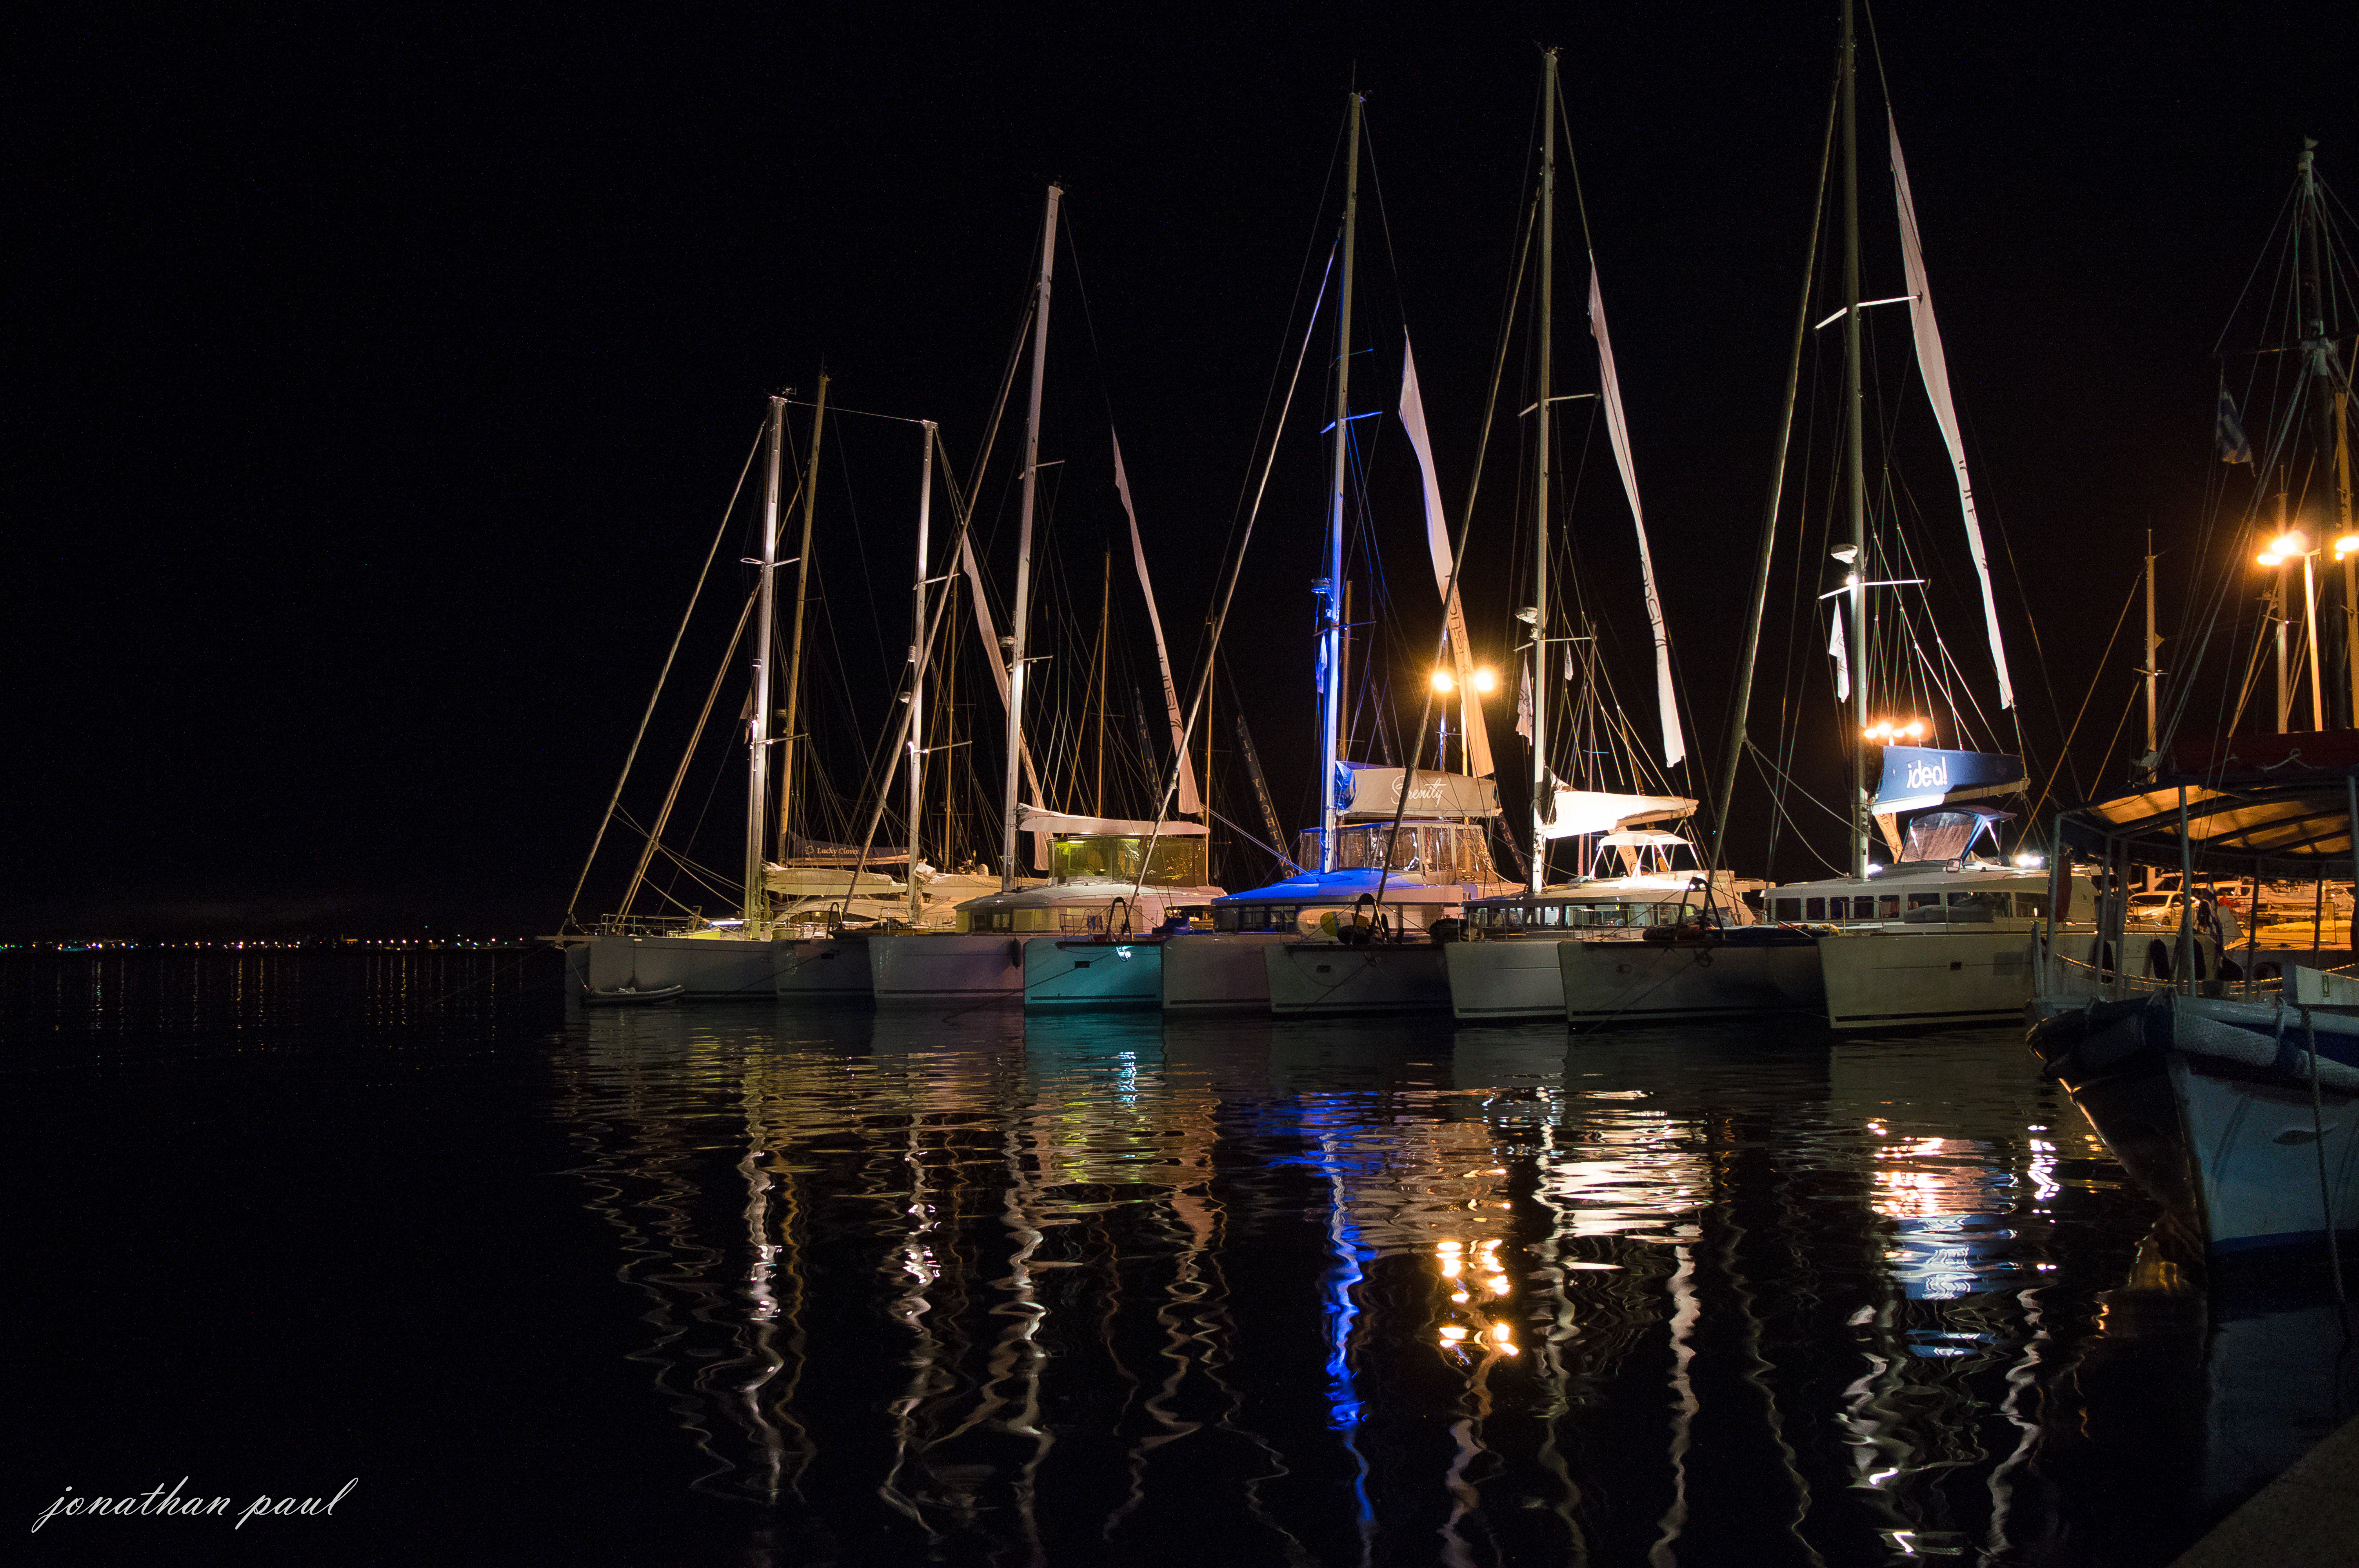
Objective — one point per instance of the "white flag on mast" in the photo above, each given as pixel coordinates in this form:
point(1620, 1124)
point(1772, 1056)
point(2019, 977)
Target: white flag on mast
point(1842, 651)
point(1935, 367)
point(1188, 805)
point(1675, 745)
point(1437, 542)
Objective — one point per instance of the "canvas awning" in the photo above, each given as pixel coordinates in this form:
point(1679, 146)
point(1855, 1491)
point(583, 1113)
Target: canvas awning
point(1063, 824)
point(2277, 807)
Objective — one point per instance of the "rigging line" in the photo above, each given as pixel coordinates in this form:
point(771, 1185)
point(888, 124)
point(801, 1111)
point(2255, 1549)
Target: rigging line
point(2066, 751)
point(863, 412)
point(1572, 162)
point(1275, 430)
point(1457, 564)
point(1228, 596)
point(1761, 759)
point(680, 775)
point(574, 899)
point(2104, 760)
point(2269, 243)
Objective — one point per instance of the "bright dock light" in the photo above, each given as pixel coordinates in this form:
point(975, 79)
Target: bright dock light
point(1443, 681)
point(1487, 679)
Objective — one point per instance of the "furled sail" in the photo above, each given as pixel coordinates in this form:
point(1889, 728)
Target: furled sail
point(1437, 540)
point(1675, 745)
point(1935, 367)
point(1188, 805)
point(1841, 649)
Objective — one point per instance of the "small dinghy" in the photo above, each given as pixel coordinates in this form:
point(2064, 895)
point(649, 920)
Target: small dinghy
point(631, 996)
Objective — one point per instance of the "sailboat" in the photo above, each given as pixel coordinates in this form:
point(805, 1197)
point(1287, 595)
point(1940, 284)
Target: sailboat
point(1398, 851)
point(1107, 876)
point(2227, 1091)
point(729, 958)
point(1505, 965)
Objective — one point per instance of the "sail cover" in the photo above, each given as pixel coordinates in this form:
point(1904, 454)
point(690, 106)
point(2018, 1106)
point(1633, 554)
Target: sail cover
point(1188, 805)
point(1035, 820)
point(1935, 367)
point(1437, 540)
point(1675, 745)
point(1366, 792)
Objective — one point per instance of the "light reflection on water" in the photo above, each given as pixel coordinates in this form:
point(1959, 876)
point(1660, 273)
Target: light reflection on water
point(1353, 1292)
point(920, 1290)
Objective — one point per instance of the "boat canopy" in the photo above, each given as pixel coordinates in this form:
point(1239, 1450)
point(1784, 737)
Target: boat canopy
point(1580, 812)
point(1368, 793)
point(2274, 806)
point(1344, 887)
point(1641, 838)
point(1062, 823)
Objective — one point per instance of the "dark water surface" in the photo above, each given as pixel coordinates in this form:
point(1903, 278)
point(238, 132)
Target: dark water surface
point(747, 1286)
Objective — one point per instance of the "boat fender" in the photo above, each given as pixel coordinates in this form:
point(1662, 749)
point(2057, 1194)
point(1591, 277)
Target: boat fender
point(1014, 953)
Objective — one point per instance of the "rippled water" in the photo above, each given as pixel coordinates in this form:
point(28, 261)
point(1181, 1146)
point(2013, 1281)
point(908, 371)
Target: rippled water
point(750, 1286)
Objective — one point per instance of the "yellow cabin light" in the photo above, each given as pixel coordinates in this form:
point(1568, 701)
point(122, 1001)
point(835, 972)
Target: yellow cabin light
point(1443, 680)
point(1487, 680)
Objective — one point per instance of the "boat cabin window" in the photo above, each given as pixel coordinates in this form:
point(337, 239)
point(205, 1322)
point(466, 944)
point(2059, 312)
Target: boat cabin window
point(1839, 908)
point(1887, 906)
point(987, 920)
point(2033, 904)
point(1432, 851)
point(1254, 916)
point(1788, 908)
point(1815, 909)
point(1176, 862)
point(1923, 900)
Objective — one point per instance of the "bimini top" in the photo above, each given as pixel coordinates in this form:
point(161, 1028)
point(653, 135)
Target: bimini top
point(1345, 887)
point(2277, 807)
point(1064, 824)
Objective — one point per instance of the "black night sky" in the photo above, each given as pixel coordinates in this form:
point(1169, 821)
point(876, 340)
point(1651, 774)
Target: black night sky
point(381, 374)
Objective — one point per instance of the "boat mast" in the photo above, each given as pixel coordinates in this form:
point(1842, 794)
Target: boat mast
point(2326, 410)
point(2152, 644)
point(1330, 592)
point(1855, 412)
point(758, 783)
point(918, 670)
point(1023, 549)
point(802, 596)
point(1543, 794)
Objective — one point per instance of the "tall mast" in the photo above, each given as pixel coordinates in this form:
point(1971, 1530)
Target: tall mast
point(917, 669)
point(802, 596)
point(1023, 549)
point(2152, 644)
point(1856, 418)
point(757, 762)
point(1543, 796)
point(1105, 615)
point(1331, 718)
point(2325, 404)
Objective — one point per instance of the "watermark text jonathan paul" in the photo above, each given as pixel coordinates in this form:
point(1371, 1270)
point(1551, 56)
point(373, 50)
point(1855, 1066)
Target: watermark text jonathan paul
point(174, 1501)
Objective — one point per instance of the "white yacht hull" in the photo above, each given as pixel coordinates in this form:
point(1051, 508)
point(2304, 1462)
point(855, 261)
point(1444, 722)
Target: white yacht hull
point(1936, 975)
point(1318, 979)
point(1644, 983)
point(706, 968)
point(825, 968)
point(1511, 978)
point(926, 968)
point(1217, 971)
point(1066, 975)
